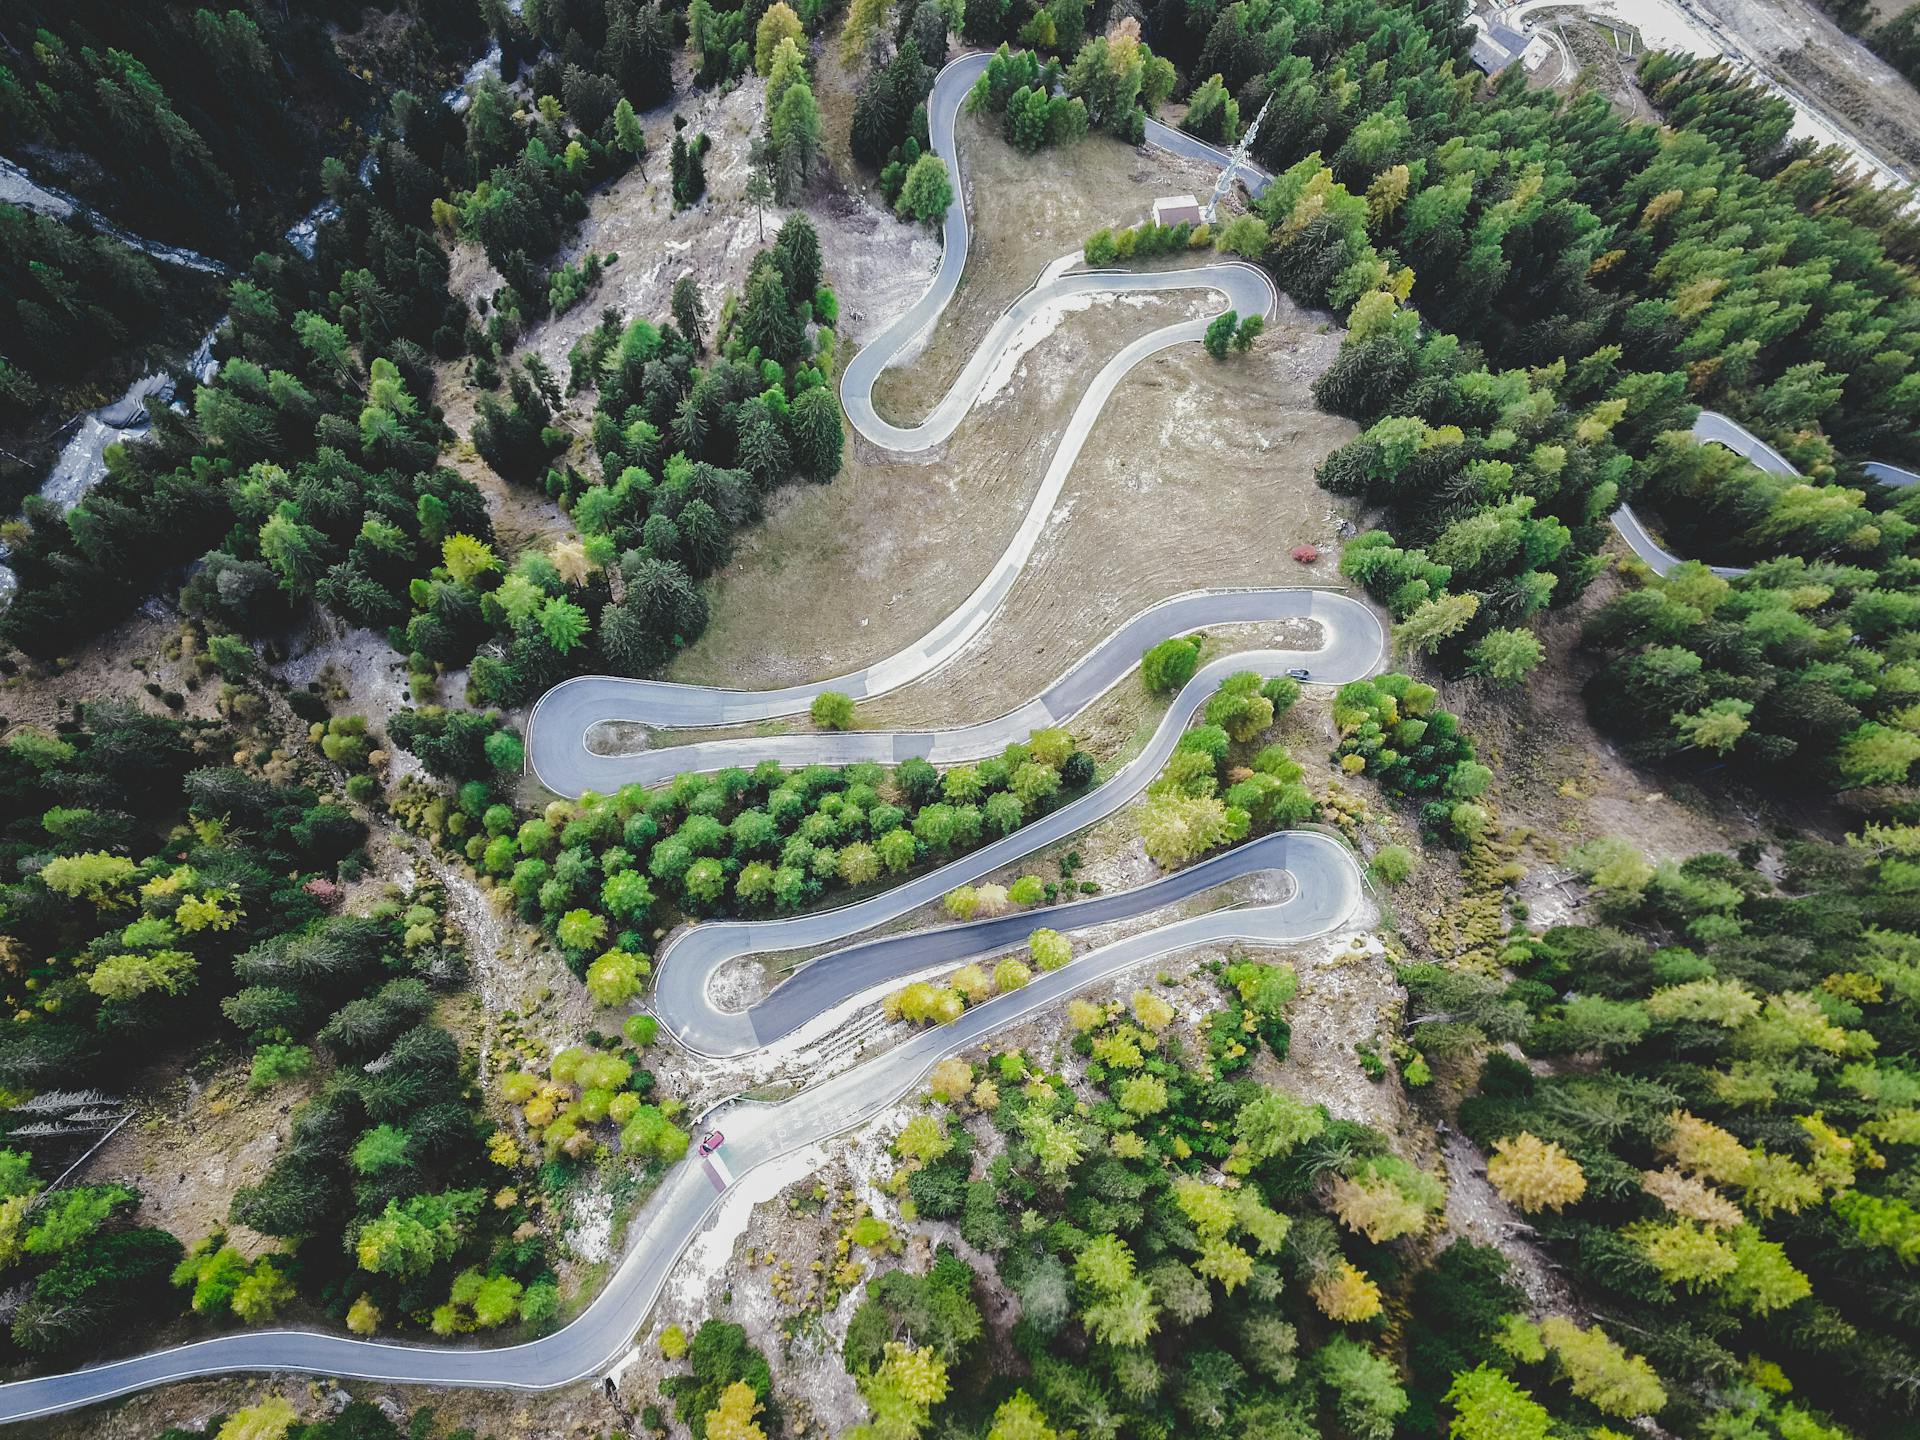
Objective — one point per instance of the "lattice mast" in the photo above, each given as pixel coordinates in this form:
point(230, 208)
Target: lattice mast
point(1234, 161)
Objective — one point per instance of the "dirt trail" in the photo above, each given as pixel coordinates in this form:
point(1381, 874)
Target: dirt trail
point(1835, 70)
point(1476, 1212)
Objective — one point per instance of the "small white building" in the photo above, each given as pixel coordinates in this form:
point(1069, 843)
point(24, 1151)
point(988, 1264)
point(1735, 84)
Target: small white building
point(1176, 210)
point(1496, 46)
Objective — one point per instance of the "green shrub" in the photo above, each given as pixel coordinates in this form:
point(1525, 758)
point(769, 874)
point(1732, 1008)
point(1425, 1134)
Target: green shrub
point(831, 710)
point(1170, 664)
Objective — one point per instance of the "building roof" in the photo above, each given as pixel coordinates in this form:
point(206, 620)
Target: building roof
point(1495, 47)
point(1173, 209)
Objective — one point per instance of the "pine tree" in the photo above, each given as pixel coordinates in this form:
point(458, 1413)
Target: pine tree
point(1220, 334)
point(818, 439)
point(862, 26)
point(797, 252)
point(690, 311)
point(777, 25)
point(629, 135)
point(795, 130)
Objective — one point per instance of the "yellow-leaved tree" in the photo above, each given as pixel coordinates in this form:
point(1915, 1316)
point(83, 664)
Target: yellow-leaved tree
point(733, 1417)
point(269, 1420)
point(1532, 1174)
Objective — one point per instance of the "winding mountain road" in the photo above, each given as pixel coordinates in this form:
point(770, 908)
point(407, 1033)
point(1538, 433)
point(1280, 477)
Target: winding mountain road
point(833, 979)
point(558, 728)
point(688, 963)
point(573, 747)
point(1713, 428)
point(1324, 884)
point(1326, 889)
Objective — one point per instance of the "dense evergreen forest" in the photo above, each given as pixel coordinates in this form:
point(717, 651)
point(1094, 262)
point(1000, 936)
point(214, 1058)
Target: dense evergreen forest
point(1538, 297)
point(202, 126)
point(164, 895)
point(185, 126)
point(1732, 1182)
point(602, 873)
point(306, 471)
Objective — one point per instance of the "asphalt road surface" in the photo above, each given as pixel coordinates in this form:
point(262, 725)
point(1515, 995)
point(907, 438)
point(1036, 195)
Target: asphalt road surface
point(1716, 429)
point(1324, 885)
point(556, 740)
point(1324, 882)
point(1325, 890)
point(1165, 137)
point(573, 749)
point(686, 966)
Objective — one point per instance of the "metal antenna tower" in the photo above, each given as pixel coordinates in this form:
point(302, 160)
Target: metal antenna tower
point(1234, 162)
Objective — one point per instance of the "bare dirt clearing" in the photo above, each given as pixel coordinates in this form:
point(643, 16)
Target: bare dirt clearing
point(191, 1144)
point(1835, 70)
point(877, 265)
point(118, 665)
point(838, 576)
point(868, 252)
point(1603, 63)
point(1476, 1212)
point(1018, 229)
point(1198, 474)
point(1568, 782)
point(894, 544)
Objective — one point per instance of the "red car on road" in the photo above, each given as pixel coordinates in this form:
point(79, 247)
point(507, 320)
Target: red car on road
point(712, 1142)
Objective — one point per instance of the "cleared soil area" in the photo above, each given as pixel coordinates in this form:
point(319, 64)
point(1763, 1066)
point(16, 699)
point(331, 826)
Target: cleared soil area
point(1843, 77)
point(872, 259)
point(1565, 780)
point(117, 665)
point(1200, 474)
point(894, 543)
point(195, 1138)
point(873, 262)
point(841, 575)
point(1021, 225)
point(1603, 65)
point(1834, 70)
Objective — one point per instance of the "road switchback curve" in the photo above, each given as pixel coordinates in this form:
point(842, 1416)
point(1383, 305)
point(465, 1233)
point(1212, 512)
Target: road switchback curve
point(1325, 883)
